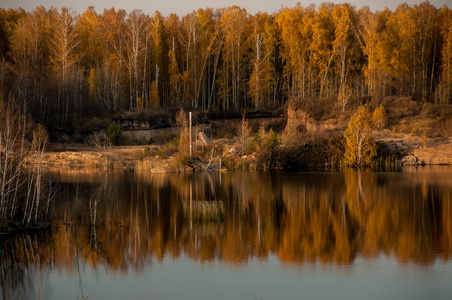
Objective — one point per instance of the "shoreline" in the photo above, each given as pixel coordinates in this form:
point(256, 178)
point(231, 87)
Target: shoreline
point(412, 150)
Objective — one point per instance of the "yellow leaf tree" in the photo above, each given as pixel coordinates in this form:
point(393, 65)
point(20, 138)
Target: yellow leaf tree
point(345, 49)
point(445, 86)
point(360, 147)
point(379, 117)
point(234, 23)
point(261, 80)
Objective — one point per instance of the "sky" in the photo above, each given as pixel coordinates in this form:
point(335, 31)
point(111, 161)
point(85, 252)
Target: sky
point(183, 7)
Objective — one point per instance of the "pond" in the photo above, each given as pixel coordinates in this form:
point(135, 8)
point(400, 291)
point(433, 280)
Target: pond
point(342, 235)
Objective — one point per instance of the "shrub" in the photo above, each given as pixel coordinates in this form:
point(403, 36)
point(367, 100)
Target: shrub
point(180, 160)
point(268, 148)
point(230, 161)
point(321, 153)
point(184, 137)
point(173, 143)
point(161, 154)
point(166, 137)
point(243, 135)
point(253, 144)
point(113, 133)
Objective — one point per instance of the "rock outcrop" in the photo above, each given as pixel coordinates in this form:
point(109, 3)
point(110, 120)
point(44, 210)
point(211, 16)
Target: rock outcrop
point(418, 150)
point(298, 119)
point(437, 155)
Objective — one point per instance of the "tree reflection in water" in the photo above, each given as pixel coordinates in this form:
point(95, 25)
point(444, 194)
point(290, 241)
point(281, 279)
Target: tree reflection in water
point(300, 218)
point(21, 261)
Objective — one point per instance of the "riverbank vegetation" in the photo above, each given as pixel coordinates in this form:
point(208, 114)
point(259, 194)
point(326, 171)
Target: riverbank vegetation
point(24, 195)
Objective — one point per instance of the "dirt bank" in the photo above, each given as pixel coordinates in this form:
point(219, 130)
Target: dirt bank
point(417, 150)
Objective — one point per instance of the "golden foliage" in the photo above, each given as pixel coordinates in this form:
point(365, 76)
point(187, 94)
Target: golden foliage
point(223, 59)
point(379, 117)
point(154, 100)
point(243, 136)
point(182, 123)
point(445, 86)
point(360, 147)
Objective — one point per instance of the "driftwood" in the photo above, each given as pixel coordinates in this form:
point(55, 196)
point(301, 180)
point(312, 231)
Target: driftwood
point(208, 167)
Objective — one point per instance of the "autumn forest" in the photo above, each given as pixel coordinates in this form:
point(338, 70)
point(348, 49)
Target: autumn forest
point(67, 66)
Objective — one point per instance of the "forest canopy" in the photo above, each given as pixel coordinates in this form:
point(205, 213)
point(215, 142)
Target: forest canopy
point(66, 65)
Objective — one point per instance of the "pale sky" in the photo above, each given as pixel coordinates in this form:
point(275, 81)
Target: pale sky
point(182, 7)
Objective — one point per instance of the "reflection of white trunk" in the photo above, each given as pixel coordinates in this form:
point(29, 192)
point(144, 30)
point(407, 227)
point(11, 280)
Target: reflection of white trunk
point(93, 211)
point(49, 196)
point(259, 229)
point(191, 205)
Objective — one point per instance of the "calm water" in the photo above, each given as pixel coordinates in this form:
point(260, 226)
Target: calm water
point(344, 235)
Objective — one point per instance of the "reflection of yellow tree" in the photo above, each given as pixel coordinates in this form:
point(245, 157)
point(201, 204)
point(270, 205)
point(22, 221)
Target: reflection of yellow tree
point(318, 225)
point(446, 238)
point(330, 218)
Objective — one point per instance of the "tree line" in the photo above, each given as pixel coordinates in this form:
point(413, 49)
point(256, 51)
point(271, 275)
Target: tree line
point(66, 66)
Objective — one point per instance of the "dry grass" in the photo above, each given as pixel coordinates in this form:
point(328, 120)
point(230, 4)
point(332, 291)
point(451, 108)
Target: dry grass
point(441, 126)
point(80, 156)
point(398, 108)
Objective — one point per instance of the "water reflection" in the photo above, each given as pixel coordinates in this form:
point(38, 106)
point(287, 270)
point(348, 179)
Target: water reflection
point(124, 223)
point(21, 259)
point(305, 217)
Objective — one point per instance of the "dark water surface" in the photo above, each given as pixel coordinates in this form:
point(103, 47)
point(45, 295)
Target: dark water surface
point(344, 235)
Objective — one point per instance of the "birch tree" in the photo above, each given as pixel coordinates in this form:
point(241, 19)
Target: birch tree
point(360, 148)
point(445, 85)
point(235, 25)
point(344, 48)
point(63, 56)
point(261, 82)
point(29, 53)
point(135, 42)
